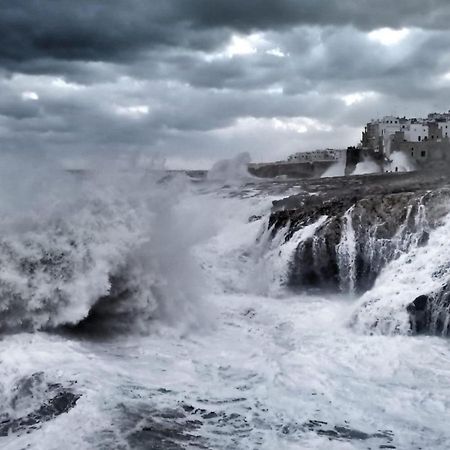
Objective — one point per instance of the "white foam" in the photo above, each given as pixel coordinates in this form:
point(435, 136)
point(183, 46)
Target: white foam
point(367, 166)
point(422, 270)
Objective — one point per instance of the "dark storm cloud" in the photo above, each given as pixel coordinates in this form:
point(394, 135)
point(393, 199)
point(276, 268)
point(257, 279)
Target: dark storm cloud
point(113, 75)
point(364, 14)
point(93, 30)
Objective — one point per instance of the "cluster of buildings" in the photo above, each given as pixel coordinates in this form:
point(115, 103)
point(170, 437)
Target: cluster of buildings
point(424, 143)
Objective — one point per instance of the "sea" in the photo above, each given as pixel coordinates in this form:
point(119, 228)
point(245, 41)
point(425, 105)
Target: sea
point(141, 309)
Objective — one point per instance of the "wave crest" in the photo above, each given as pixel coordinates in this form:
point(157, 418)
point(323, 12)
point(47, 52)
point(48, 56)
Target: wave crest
point(103, 242)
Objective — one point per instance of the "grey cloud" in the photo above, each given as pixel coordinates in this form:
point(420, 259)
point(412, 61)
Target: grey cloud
point(364, 14)
point(105, 30)
point(163, 55)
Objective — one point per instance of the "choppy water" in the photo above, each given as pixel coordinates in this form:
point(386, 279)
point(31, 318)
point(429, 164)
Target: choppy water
point(202, 346)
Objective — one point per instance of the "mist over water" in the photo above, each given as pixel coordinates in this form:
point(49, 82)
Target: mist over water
point(233, 170)
point(103, 241)
point(149, 310)
point(366, 167)
point(402, 163)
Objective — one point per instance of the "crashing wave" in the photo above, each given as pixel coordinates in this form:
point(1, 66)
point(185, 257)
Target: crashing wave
point(95, 246)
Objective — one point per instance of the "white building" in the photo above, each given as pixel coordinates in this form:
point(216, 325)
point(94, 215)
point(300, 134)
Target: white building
point(326, 155)
point(416, 131)
point(425, 141)
point(445, 128)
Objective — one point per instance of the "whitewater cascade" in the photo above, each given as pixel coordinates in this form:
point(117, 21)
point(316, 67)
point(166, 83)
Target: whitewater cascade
point(369, 248)
point(346, 254)
point(412, 292)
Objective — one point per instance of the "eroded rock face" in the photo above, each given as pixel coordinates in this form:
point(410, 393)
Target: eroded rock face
point(430, 313)
point(359, 237)
point(371, 221)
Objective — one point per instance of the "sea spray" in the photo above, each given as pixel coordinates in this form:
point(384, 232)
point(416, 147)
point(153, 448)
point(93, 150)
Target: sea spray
point(366, 166)
point(233, 170)
point(93, 245)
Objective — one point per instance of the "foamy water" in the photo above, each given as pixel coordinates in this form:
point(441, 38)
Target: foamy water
point(212, 350)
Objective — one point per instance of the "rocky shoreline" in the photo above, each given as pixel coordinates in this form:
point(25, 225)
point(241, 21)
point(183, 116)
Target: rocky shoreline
point(370, 221)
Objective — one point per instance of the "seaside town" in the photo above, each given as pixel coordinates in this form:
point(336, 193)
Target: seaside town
point(389, 144)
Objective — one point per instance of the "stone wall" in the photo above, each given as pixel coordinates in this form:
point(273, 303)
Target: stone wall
point(290, 170)
point(427, 154)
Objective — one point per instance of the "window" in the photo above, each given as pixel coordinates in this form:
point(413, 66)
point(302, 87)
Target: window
point(423, 153)
point(419, 138)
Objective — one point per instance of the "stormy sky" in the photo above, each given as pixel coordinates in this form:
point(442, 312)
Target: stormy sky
point(194, 81)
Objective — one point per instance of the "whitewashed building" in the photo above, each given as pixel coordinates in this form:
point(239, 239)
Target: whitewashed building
point(325, 155)
point(424, 141)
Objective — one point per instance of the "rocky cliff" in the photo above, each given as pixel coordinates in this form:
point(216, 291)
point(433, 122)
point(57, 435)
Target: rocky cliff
point(370, 222)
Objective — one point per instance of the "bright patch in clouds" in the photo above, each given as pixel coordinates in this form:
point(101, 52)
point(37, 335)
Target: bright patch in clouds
point(357, 97)
point(299, 124)
point(133, 111)
point(63, 84)
point(389, 36)
point(275, 89)
point(276, 52)
point(29, 95)
point(240, 45)
point(246, 45)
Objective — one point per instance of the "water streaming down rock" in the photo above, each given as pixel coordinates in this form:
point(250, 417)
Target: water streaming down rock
point(273, 257)
point(350, 248)
point(412, 293)
point(346, 254)
point(362, 238)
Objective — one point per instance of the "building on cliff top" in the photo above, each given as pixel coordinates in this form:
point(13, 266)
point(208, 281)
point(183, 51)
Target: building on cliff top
point(424, 142)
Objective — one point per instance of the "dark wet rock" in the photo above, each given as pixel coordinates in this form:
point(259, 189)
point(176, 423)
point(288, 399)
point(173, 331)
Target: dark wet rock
point(371, 220)
point(418, 313)
point(254, 218)
point(210, 415)
point(168, 435)
point(430, 314)
point(346, 433)
point(146, 427)
point(34, 401)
